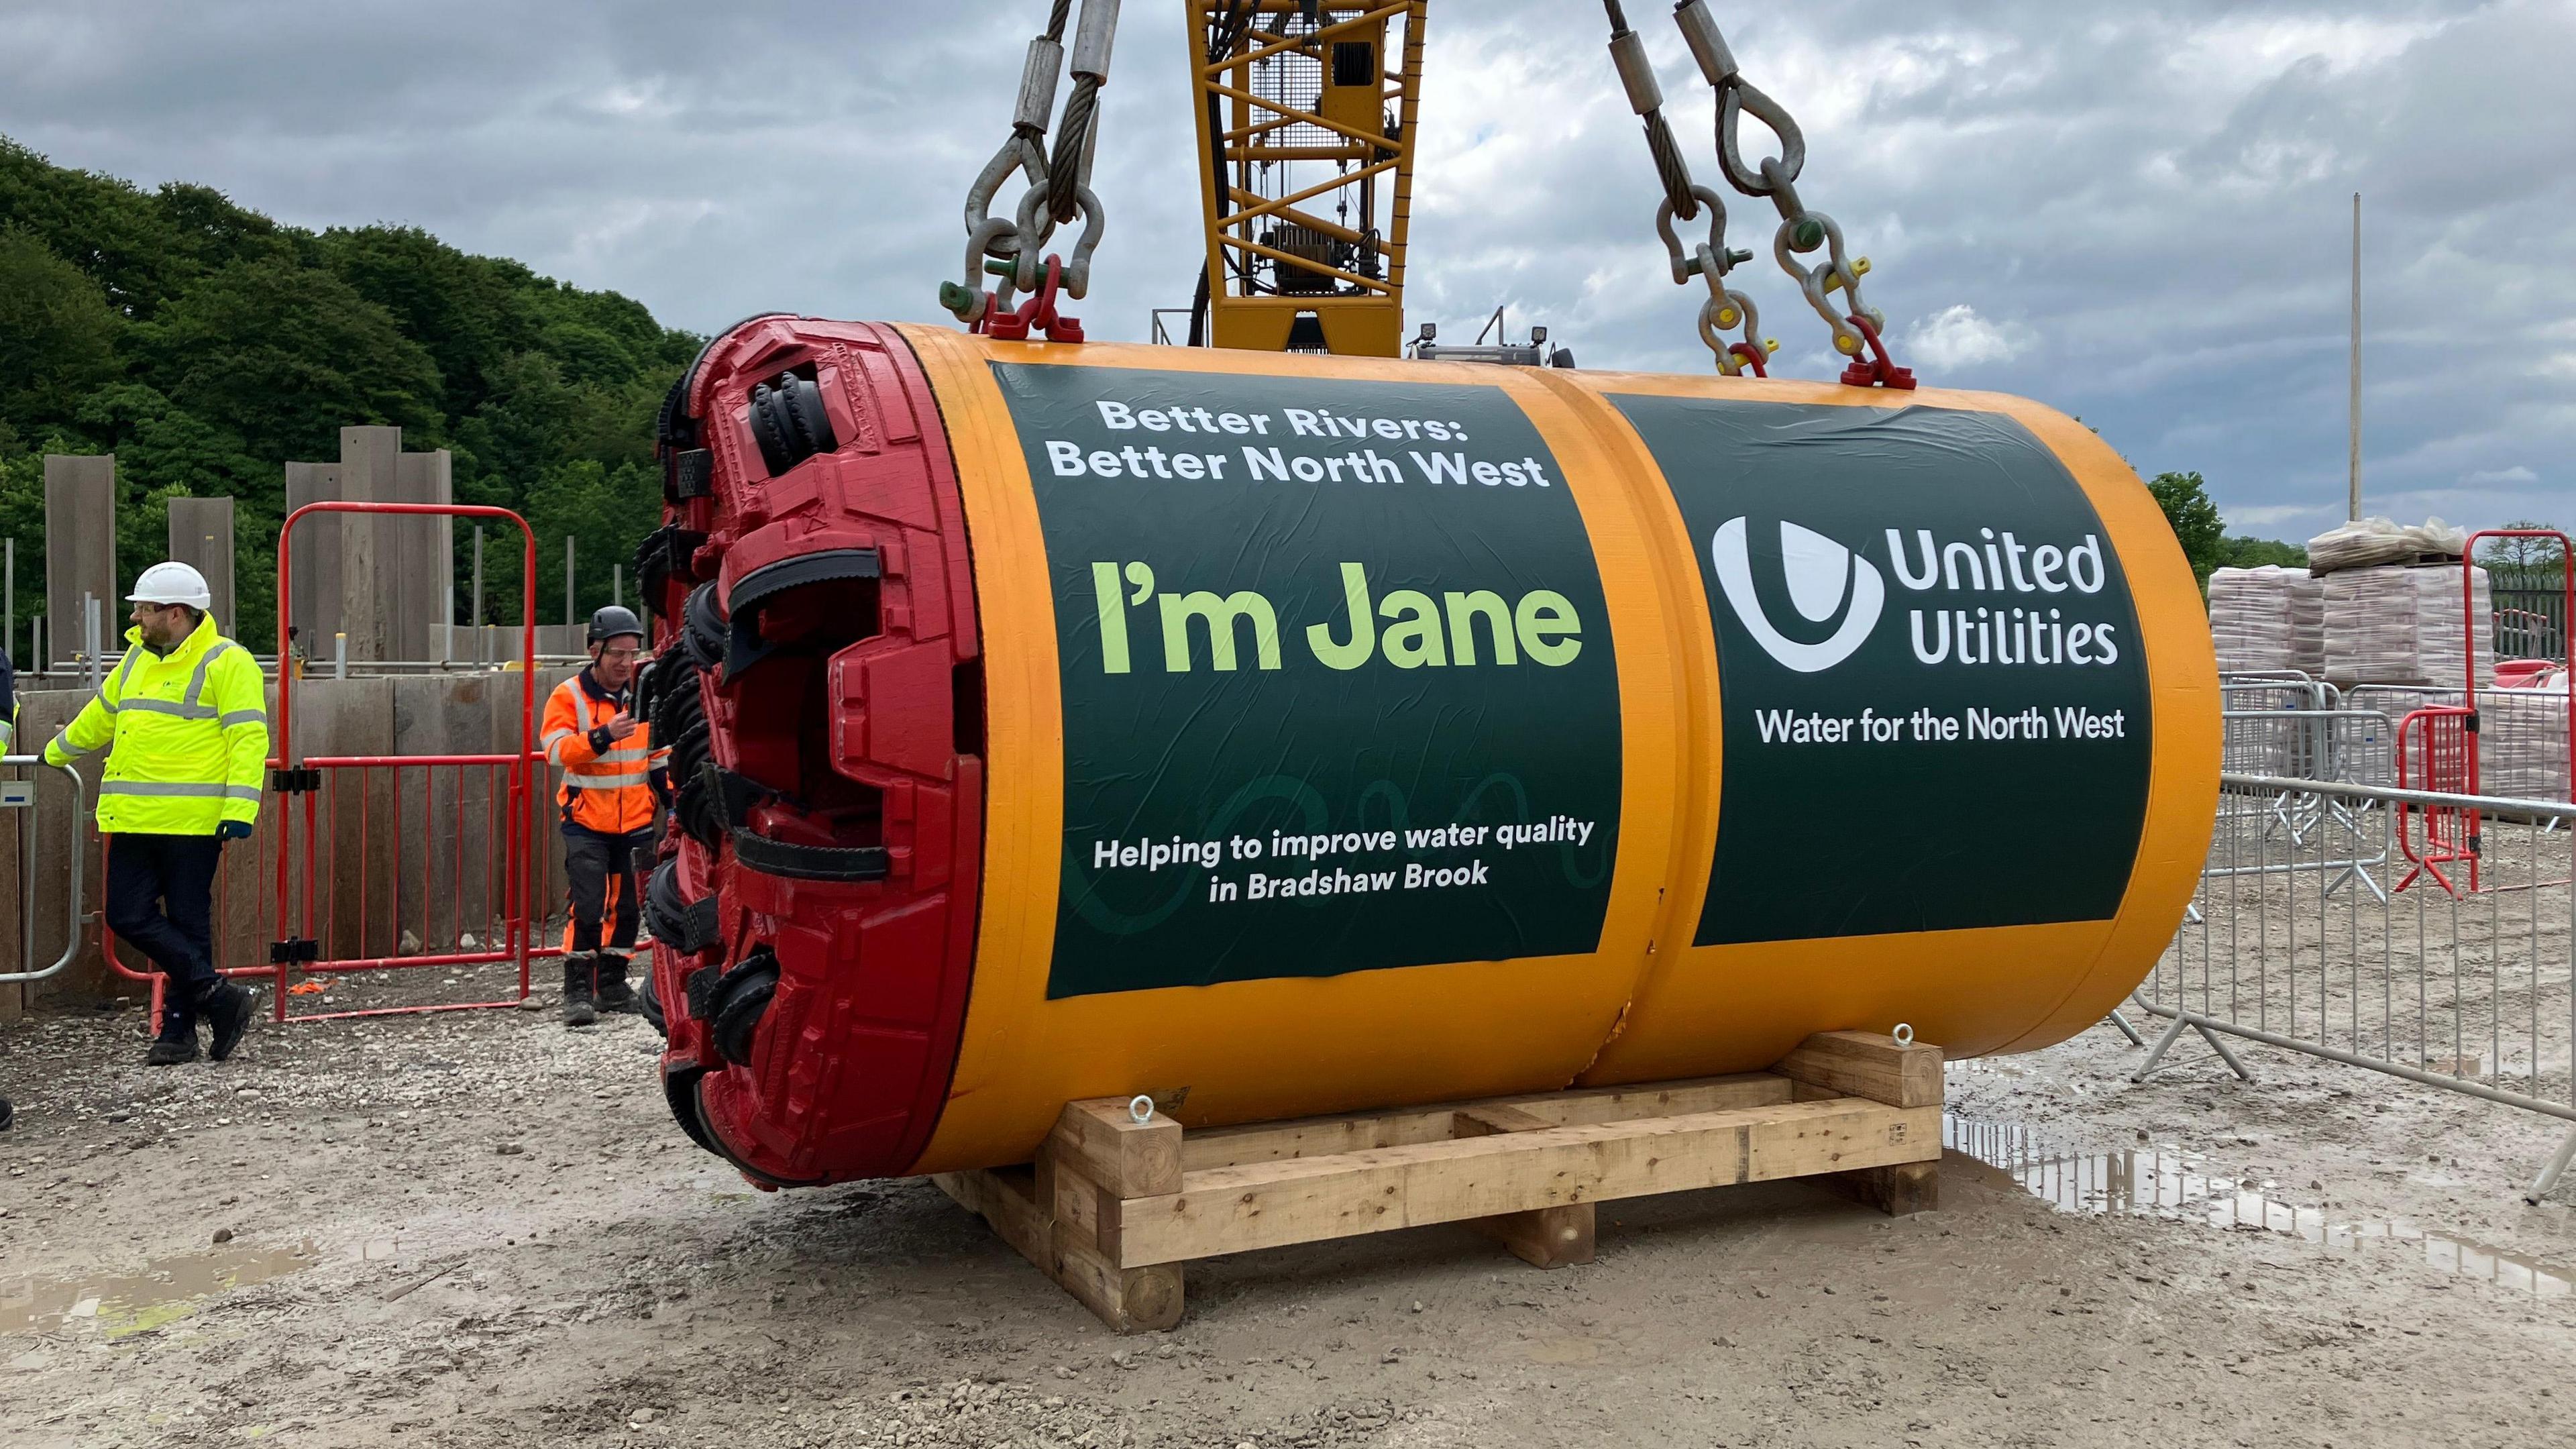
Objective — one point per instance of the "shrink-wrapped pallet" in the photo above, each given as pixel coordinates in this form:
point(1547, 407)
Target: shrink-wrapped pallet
point(2405, 626)
point(2522, 743)
point(2522, 736)
point(2374, 542)
point(2268, 619)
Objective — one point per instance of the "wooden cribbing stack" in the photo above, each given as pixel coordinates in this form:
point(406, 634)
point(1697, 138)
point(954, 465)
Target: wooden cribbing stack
point(1113, 1207)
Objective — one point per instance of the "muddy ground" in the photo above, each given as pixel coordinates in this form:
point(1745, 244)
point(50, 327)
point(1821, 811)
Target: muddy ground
point(479, 1229)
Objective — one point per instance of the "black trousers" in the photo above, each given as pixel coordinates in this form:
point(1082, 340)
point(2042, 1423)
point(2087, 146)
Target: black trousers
point(601, 872)
point(161, 899)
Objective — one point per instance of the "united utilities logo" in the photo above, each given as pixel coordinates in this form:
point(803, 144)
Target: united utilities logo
point(1824, 579)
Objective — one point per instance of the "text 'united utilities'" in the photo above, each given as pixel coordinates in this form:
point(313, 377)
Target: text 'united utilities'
point(1829, 584)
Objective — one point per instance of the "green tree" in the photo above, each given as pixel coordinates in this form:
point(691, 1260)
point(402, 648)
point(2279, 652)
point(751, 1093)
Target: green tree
point(465, 310)
point(2523, 555)
point(2202, 532)
point(515, 437)
point(2241, 552)
point(141, 248)
point(22, 517)
point(112, 231)
point(208, 345)
point(163, 451)
point(57, 334)
point(284, 356)
point(606, 512)
point(2194, 518)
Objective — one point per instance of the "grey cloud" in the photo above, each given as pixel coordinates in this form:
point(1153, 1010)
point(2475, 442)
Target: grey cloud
point(2135, 213)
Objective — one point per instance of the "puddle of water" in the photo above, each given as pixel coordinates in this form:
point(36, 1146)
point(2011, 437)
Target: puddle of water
point(2167, 1182)
point(115, 1305)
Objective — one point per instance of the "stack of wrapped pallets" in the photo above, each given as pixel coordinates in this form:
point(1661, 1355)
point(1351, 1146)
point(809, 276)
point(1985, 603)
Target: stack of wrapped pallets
point(2397, 625)
point(2522, 742)
point(2266, 620)
point(2393, 606)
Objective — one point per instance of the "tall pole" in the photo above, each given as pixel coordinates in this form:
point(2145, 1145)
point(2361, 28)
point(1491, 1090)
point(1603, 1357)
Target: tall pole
point(481, 652)
point(2352, 505)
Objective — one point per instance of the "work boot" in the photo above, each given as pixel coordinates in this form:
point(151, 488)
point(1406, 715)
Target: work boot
point(8, 1114)
point(611, 989)
point(577, 1008)
point(173, 1046)
point(228, 1009)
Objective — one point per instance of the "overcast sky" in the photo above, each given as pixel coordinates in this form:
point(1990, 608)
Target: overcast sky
point(2136, 212)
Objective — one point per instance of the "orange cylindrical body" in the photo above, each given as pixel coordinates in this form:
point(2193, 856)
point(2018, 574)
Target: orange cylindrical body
point(1691, 715)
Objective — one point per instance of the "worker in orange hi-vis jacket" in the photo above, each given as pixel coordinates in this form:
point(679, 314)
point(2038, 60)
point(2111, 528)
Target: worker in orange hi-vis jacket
point(608, 761)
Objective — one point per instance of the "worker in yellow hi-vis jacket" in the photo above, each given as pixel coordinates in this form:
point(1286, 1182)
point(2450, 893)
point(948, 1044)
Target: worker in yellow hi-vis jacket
point(184, 717)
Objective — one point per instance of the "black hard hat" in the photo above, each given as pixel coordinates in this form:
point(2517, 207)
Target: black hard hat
point(612, 621)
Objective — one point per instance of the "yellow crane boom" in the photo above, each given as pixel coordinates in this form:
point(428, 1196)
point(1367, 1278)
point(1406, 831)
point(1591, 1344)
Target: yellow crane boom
point(1300, 114)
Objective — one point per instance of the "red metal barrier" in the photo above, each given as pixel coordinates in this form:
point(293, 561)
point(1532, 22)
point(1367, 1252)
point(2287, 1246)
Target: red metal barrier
point(304, 920)
point(2469, 624)
point(2437, 750)
point(295, 775)
point(413, 876)
point(401, 847)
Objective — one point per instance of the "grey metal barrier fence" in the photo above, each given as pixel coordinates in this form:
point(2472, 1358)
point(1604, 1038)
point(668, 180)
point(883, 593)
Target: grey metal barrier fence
point(2337, 745)
point(2469, 992)
point(2522, 733)
point(19, 800)
point(2356, 745)
point(2274, 689)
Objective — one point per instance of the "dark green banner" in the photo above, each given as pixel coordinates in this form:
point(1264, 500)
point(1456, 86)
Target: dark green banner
point(1338, 686)
point(1935, 700)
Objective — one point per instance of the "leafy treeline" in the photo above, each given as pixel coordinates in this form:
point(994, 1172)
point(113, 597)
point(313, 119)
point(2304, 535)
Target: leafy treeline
point(2200, 530)
point(206, 346)
point(2184, 497)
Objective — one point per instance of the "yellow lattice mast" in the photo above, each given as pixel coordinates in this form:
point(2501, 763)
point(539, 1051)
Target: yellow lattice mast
point(1306, 171)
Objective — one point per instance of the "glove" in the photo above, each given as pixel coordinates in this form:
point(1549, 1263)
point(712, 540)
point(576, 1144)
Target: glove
point(233, 830)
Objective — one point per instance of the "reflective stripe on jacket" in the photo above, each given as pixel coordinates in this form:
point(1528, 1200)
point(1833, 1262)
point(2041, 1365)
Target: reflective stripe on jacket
point(186, 734)
point(603, 790)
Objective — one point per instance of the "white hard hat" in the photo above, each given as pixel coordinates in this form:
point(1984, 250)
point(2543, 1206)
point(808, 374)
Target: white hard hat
point(172, 583)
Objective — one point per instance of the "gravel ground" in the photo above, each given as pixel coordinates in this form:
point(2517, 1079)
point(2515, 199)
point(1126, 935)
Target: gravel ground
point(479, 1229)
